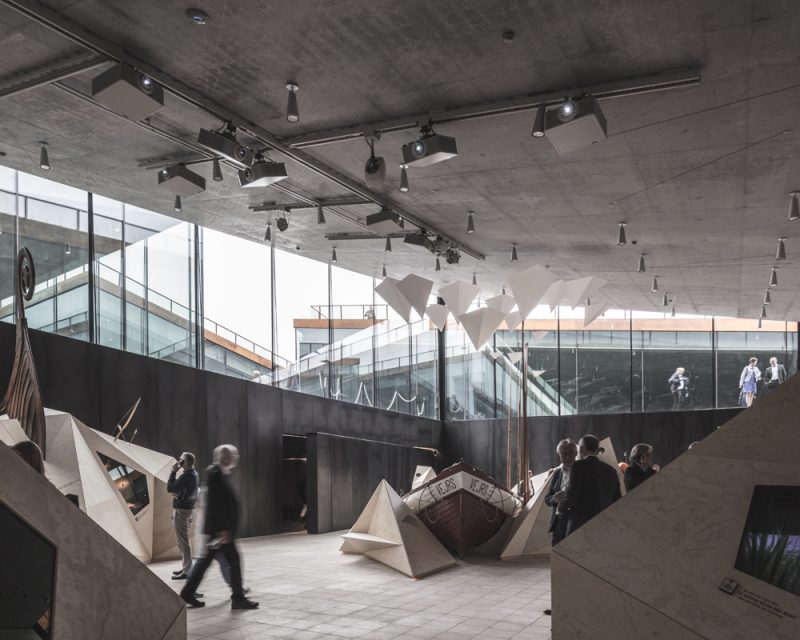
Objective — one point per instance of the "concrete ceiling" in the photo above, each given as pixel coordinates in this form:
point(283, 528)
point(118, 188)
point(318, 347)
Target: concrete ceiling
point(701, 174)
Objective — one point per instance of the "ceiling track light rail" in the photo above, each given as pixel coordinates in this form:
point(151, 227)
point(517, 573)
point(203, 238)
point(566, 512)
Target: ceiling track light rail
point(97, 44)
point(49, 73)
point(664, 81)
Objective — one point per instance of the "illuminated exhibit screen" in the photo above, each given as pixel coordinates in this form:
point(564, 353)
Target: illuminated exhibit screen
point(770, 546)
point(132, 484)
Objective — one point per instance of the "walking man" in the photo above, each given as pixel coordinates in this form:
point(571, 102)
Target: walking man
point(184, 491)
point(221, 521)
point(774, 374)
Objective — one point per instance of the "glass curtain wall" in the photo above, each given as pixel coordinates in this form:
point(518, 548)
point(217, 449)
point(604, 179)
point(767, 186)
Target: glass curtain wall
point(320, 329)
point(237, 306)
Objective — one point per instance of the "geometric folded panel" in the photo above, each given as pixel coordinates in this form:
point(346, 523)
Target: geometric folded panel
point(458, 296)
point(480, 324)
point(529, 534)
point(438, 315)
point(708, 548)
point(529, 286)
point(389, 291)
point(389, 532)
point(416, 290)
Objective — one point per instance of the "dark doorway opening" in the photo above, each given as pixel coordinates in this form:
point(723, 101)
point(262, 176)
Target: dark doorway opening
point(294, 492)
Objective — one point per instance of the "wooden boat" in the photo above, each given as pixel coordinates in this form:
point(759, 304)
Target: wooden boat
point(462, 506)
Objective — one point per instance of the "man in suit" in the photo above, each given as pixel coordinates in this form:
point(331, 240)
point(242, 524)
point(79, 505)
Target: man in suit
point(774, 374)
point(567, 451)
point(592, 486)
point(221, 521)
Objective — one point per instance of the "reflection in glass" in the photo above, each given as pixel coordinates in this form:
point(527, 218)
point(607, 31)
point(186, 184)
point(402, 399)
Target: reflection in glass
point(132, 484)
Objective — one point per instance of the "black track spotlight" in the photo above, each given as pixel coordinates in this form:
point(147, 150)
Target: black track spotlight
point(44, 158)
point(654, 287)
point(794, 207)
point(621, 237)
point(268, 233)
point(388, 247)
point(282, 222)
point(514, 257)
point(292, 112)
point(320, 215)
point(471, 223)
point(641, 267)
point(438, 264)
point(333, 256)
point(216, 170)
point(773, 277)
point(767, 298)
point(403, 178)
point(538, 122)
point(178, 206)
point(781, 253)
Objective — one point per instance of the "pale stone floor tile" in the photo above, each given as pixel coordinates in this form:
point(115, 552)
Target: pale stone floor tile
point(310, 591)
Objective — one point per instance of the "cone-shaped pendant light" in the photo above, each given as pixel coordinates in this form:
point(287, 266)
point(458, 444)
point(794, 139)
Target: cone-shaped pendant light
point(470, 224)
point(268, 233)
point(216, 171)
point(654, 287)
point(178, 206)
point(773, 278)
point(641, 268)
point(44, 159)
point(438, 264)
point(403, 179)
point(794, 207)
point(763, 312)
point(474, 280)
point(514, 257)
point(68, 249)
point(383, 271)
point(665, 301)
point(781, 253)
point(621, 237)
point(767, 298)
point(320, 215)
point(673, 311)
point(388, 247)
point(333, 255)
point(759, 323)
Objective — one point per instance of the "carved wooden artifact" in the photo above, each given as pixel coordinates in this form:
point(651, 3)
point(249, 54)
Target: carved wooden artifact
point(23, 399)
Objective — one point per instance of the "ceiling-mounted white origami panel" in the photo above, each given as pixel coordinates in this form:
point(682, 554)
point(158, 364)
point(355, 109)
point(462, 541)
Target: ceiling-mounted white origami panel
point(580, 289)
point(480, 324)
point(458, 296)
point(515, 356)
point(416, 291)
point(555, 293)
point(593, 311)
point(503, 303)
point(394, 298)
point(529, 286)
point(513, 320)
point(437, 314)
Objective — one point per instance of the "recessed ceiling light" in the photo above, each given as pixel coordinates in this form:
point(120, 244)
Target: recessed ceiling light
point(198, 16)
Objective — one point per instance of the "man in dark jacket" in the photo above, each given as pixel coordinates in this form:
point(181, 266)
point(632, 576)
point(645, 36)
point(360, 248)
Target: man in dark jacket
point(221, 521)
point(593, 486)
point(184, 491)
point(567, 451)
point(641, 466)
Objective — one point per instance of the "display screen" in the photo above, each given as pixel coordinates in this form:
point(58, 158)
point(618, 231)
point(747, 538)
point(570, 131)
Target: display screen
point(131, 483)
point(770, 546)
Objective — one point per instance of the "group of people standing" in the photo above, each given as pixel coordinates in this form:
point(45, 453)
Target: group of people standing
point(219, 526)
point(774, 375)
point(582, 485)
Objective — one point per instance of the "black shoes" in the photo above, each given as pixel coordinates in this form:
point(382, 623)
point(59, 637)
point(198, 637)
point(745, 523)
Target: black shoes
point(191, 600)
point(179, 576)
point(244, 603)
